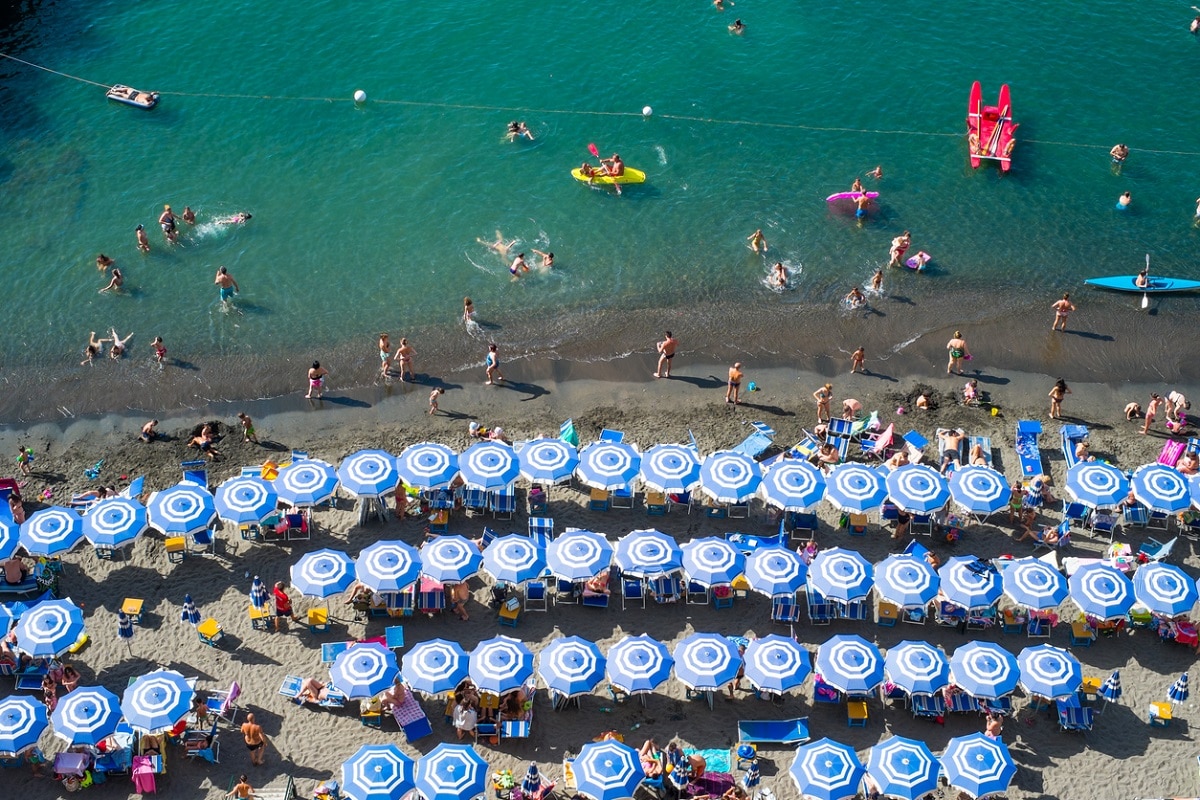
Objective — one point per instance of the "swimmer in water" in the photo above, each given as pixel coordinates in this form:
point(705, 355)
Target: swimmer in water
point(499, 245)
point(779, 275)
point(877, 280)
point(758, 242)
point(737, 27)
point(862, 201)
point(118, 345)
point(1119, 153)
point(1195, 26)
point(103, 262)
point(856, 186)
point(1124, 200)
point(518, 265)
point(94, 348)
point(228, 286)
point(719, 5)
point(166, 221)
point(118, 280)
point(468, 310)
point(518, 129)
point(876, 173)
point(189, 216)
point(855, 298)
point(142, 239)
point(547, 259)
point(236, 219)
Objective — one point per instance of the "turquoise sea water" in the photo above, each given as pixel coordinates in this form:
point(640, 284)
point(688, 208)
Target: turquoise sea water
point(366, 217)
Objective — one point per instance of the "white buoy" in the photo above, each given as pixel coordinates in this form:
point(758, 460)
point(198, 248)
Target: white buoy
point(647, 111)
point(360, 96)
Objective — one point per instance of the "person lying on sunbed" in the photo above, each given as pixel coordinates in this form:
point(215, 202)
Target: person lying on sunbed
point(393, 698)
point(652, 759)
point(596, 585)
point(1046, 535)
point(976, 458)
point(312, 691)
point(1189, 464)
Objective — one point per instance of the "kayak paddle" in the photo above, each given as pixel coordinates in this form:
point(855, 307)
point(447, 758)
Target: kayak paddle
point(1146, 297)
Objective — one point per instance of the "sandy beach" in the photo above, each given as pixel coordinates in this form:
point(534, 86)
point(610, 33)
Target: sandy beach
point(310, 745)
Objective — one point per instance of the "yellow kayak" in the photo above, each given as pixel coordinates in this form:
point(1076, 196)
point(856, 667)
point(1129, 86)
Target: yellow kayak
point(630, 176)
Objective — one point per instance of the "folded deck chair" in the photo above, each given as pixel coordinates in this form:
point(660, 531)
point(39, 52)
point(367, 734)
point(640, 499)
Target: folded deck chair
point(1171, 452)
point(1028, 452)
point(820, 610)
point(757, 442)
point(609, 435)
point(541, 530)
point(431, 597)
point(1072, 435)
point(838, 435)
point(773, 731)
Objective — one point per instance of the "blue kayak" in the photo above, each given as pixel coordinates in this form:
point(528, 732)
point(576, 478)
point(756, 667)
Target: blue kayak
point(1128, 283)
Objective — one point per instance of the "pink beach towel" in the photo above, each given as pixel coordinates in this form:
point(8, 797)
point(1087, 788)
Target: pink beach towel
point(1171, 453)
point(143, 775)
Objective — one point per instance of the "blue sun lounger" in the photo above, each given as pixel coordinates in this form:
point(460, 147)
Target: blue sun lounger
point(756, 443)
point(773, 731)
point(1028, 452)
point(1072, 435)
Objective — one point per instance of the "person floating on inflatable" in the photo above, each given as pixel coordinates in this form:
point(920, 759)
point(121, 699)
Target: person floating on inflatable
point(918, 261)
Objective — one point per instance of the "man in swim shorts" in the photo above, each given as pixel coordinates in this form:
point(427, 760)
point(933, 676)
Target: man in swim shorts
point(735, 384)
point(316, 379)
point(862, 201)
point(1119, 153)
point(1061, 310)
point(252, 732)
point(666, 352)
point(228, 286)
point(518, 265)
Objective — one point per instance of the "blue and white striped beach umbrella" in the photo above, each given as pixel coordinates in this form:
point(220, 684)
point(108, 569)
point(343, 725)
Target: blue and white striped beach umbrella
point(125, 629)
point(500, 664)
point(730, 477)
point(648, 552)
point(711, 561)
point(258, 593)
point(427, 465)
point(323, 573)
point(903, 768)
point(578, 555)
point(533, 779)
point(51, 531)
point(1111, 690)
point(1096, 484)
point(451, 772)
point(514, 558)
point(638, 664)
point(969, 583)
point(608, 465)
point(776, 571)
point(307, 482)
point(706, 661)
point(1034, 584)
point(906, 580)
point(827, 770)
point(1049, 671)
point(918, 488)
point(608, 770)
point(22, 720)
point(1161, 488)
point(571, 666)
point(190, 614)
point(1178, 693)
point(793, 485)
point(114, 522)
point(984, 670)
point(841, 574)
point(10, 537)
point(850, 664)
point(1164, 589)
point(488, 466)
point(978, 765)
point(671, 468)
point(776, 663)
point(157, 701)
point(1101, 591)
point(246, 500)
point(364, 669)
point(547, 460)
point(450, 559)
point(378, 772)
point(87, 716)
point(183, 509)
point(368, 473)
point(979, 490)
point(388, 566)
point(434, 666)
point(917, 667)
point(49, 628)
point(855, 488)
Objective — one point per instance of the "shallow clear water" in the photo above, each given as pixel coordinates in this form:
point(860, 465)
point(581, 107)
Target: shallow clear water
point(366, 217)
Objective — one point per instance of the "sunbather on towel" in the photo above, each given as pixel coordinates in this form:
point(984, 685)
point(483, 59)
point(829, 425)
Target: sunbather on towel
point(1047, 535)
point(312, 691)
point(976, 458)
point(1189, 464)
point(596, 585)
point(652, 758)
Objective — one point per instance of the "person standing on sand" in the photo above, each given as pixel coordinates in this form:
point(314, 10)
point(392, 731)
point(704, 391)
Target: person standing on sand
point(316, 380)
point(142, 239)
point(404, 355)
point(242, 791)
point(856, 360)
point(256, 741)
point(957, 347)
point(1156, 403)
point(1057, 394)
point(1062, 309)
point(433, 400)
point(248, 434)
point(385, 355)
point(823, 396)
point(758, 242)
point(283, 605)
point(160, 351)
point(666, 352)
point(734, 386)
point(491, 365)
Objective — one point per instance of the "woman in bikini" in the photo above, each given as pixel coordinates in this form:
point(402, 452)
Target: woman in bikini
point(957, 348)
point(404, 354)
point(823, 396)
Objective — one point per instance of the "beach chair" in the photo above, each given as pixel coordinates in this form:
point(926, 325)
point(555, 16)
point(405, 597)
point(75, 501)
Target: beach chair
point(565, 591)
point(537, 502)
point(1158, 521)
point(622, 497)
point(757, 442)
point(1072, 435)
point(856, 610)
point(1073, 715)
point(195, 472)
point(962, 703)
point(679, 500)
point(803, 526)
point(949, 615)
point(666, 589)
point(928, 706)
point(656, 504)
point(1172, 451)
point(879, 446)
point(839, 437)
point(1135, 515)
point(503, 503)
point(696, 594)
point(609, 435)
point(985, 446)
point(1102, 521)
point(824, 693)
point(864, 426)
point(223, 705)
point(1028, 453)
point(593, 599)
point(411, 718)
point(297, 526)
point(820, 610)
point(958, 455)
point(788, 732)
point(1063, 531)
point(1155, 550)
point(541, 530)
point(633, 592)
point(785, 608)
point(1075, 513)
point(431, 597)
point(536, 598)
